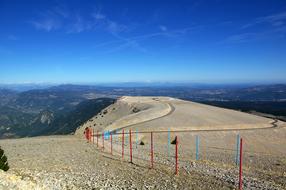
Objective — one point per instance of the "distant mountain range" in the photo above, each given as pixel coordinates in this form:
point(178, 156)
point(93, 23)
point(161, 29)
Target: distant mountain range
point(53, 110)
point(61, 109)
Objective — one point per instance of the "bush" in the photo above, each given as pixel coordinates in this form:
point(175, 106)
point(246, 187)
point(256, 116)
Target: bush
point(3, 161)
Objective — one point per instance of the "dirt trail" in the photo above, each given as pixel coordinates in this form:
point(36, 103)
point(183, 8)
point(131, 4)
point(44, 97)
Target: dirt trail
point(142, 122)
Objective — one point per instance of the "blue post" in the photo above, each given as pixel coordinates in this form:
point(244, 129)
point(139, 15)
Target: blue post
point(106, 135)
point(197, 147)
point(169, 141)
point(237, 149)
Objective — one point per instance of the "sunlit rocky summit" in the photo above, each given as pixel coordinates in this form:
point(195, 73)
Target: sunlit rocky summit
point(69, 162)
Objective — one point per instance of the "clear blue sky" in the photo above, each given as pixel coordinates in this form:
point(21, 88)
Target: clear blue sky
point(143, 41)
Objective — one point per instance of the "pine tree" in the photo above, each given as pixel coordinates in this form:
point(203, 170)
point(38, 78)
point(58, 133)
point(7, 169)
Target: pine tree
point(3, 161)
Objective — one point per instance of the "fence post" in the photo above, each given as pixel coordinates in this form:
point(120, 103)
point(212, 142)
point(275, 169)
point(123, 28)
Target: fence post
point(111, 143)
point(169, 141)
point(136, 138)
point(130, 145)
point(152, 150)
point(176, 156)
point(123, 144)
point(240, 166)
point(92, 136)
point(96, 138)
point(237, 149)
point(197, 147)
point(103, 140)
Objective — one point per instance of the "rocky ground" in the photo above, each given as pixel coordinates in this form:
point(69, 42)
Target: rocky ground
point(259, 171)
point(68, 162)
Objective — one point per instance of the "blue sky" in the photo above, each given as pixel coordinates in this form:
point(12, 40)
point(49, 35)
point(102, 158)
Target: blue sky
point(205, 41)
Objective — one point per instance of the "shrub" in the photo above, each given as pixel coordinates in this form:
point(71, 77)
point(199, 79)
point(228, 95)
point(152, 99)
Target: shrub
point(3, 161)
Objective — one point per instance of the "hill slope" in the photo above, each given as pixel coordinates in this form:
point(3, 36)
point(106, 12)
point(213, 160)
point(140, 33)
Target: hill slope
point(162, 113)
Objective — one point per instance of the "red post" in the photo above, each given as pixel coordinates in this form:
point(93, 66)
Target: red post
point(130, 145)
point(97, 138)
point(93, 136)
point(89, 135)
point(103, 140)
point(111, 143)
point(123, 144)
point(152, 152)
point(240, 166)
point(176, 155)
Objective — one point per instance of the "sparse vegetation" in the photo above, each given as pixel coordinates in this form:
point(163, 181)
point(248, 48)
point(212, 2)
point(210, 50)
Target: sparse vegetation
point(3, 161)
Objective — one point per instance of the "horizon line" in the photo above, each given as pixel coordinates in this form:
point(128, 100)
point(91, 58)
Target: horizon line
point(145, 82)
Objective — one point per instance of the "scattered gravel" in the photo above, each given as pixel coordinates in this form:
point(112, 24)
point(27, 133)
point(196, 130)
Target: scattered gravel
point(67, 162)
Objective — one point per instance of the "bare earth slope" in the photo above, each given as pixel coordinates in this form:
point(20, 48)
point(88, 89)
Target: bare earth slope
point(162, 113)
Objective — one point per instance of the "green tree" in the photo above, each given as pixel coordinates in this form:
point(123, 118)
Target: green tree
point(3, 161)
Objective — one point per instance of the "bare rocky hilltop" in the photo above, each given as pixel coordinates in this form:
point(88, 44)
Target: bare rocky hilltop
point(69, 162)
point(161, 113)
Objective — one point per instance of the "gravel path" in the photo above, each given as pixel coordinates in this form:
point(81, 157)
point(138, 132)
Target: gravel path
point(67, 162)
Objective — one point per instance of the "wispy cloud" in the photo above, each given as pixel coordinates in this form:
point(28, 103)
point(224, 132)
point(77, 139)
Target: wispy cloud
point(270, 27)
point(79, 24)
point(62, 18)
point(275, 20)
point(255, 36)
point(47, 24)
point(134, 42)
point(170, 33)
point(241, 38)
point(126, 44)
point(108, 24)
